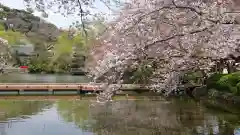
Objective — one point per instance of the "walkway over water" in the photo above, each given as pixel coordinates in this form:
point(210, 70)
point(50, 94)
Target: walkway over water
point(53, 88)
point(64, 86)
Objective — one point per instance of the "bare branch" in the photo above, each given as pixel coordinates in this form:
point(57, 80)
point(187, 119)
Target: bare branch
point(81, 16)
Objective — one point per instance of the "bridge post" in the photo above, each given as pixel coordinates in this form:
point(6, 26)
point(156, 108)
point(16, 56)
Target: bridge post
point(80, 90)
point(50, 92)
point(20, 91)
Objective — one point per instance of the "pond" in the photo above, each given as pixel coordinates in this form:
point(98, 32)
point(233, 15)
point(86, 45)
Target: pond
point(42, 78)
point(135, 116)
point(142, 115)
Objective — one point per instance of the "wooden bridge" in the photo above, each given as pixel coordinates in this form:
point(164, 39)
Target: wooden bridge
point(53, 88)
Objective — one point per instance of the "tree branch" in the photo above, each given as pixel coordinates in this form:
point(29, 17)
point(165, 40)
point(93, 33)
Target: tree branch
point(81, 16)
point(105, 3)
point(199, 13)
point(174, 36)
point(186, 7)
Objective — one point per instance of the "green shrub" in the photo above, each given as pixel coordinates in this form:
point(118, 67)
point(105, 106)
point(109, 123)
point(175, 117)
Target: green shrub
point(141, 74)
point(228, 83)
point(238, 88)
point(193, 77)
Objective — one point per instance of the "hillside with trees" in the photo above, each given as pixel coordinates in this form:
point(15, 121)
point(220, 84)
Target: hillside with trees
point(53, 47)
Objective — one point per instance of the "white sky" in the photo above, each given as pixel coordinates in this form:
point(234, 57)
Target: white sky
point(57, 19)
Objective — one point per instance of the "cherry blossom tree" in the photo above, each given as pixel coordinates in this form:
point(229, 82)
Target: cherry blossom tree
point(170, 36)
point(5, 53)
point(178, 35)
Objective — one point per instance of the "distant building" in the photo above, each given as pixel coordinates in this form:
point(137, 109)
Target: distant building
point(23, 52)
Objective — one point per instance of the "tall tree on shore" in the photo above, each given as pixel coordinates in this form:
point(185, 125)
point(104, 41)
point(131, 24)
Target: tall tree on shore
point(178, 35)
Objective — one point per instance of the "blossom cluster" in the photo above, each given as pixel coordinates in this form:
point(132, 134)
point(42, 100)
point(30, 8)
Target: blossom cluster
point(181, 35)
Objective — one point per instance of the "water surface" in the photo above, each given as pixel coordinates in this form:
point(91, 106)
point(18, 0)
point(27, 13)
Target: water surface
point(42, 78)
point(138, 116)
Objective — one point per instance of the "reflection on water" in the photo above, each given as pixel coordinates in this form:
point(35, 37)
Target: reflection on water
point(40, 78)
point(20, 109)
point(120, 117)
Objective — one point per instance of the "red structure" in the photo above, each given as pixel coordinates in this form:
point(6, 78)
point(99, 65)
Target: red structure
point(24, 67)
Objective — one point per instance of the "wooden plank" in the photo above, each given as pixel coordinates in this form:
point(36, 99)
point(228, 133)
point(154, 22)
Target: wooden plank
point(40, 87)
point(64, 86)
point(49, 84)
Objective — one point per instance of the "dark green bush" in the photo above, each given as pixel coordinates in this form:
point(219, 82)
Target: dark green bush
point(39, 65)
point(225, 82)
point(193, 77)
point(141, 74)
point(212, 81)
